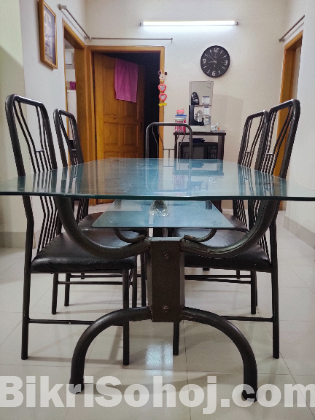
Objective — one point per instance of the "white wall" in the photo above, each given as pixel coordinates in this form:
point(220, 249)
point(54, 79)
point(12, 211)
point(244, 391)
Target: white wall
point(41, 82)
point(253, 81)
point(11, 80)
point(300, 216)
point(295, 10)
point(23, 73)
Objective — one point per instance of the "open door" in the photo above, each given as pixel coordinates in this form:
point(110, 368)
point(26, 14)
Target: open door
point(119, 124)
point(290, 75)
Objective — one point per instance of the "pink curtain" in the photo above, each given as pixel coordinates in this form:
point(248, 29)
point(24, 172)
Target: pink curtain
point(126, 80)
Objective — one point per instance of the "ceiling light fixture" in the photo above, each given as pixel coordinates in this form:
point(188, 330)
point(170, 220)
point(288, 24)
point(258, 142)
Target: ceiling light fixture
point(191, 23)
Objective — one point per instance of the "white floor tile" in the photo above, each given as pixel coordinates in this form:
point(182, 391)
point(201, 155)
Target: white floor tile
point(123, 410)
point(209, 348)
point(305, 381)
point(59, 375)
point(225, 387)
point(8, 323)
point(297, 343)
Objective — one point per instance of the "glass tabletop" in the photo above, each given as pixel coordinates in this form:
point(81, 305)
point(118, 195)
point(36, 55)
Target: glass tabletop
point(162, 214)
point(157, 179)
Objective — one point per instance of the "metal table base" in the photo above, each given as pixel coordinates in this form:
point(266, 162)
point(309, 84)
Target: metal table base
point(166, 296)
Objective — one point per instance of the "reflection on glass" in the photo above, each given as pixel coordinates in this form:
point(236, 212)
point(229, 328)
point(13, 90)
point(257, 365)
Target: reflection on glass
point(159, 208)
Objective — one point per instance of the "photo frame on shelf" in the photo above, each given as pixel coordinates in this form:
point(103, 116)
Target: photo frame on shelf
point(47, 35)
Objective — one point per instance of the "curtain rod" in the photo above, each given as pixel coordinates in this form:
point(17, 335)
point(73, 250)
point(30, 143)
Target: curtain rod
point(282, 38)
point(64, 7)
point(139, 39)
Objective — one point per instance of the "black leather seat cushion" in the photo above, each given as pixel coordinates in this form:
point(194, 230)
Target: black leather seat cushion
point(254, 259)
point(62, 255)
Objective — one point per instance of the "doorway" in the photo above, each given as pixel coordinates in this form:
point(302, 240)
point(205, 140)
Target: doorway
point(289, 83)
point(72, 43)
point(120, 125)
point(84, 64)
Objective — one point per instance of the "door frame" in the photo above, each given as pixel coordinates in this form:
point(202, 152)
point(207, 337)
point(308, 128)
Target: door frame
point(85, 92)
point(75, 42)
point(287, 86)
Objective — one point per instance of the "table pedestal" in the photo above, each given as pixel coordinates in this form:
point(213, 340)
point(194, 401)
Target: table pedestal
point(166, 296)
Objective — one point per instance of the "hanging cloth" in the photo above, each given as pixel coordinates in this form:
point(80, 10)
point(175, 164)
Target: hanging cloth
point(126, 80)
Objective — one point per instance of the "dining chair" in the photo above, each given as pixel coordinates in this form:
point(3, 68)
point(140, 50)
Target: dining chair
point(68, 133)
point(276, 148)
point(56, 253)
point(253, 133)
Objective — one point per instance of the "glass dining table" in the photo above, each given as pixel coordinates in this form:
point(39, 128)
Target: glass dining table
point(161, 193)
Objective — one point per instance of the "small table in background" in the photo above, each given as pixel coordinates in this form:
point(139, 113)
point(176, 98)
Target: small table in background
point(203, 150)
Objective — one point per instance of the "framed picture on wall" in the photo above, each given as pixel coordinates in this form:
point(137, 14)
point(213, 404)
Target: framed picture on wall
point(47, 35)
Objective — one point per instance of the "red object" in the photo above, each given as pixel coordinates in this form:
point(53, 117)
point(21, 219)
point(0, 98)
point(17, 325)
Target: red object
point(162, 87)
point(162, 97)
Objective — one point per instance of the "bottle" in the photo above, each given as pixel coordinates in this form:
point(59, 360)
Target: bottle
point(180, 117)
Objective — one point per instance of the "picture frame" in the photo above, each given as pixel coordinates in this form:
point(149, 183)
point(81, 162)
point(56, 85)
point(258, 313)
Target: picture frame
point(47, 35)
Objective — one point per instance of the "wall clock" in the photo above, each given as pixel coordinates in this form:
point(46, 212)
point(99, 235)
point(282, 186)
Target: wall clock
point(215, 61)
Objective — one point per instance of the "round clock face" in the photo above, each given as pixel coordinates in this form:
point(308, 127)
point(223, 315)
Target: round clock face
point(215, 61)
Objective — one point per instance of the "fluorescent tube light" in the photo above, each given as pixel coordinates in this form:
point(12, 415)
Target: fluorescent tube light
point(191, 23)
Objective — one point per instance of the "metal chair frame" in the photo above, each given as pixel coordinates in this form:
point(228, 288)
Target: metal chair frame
point(267, 157)
point(43, 159)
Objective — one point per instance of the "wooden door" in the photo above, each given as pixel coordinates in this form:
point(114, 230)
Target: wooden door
point(119, 124)
point(288, 88)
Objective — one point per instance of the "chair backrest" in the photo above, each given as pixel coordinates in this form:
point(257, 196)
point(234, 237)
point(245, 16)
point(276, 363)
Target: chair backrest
point(72, 139)
point(273, 146)
point(250, 139)
point(64, 120)
point(284, 139)
point(42, 155)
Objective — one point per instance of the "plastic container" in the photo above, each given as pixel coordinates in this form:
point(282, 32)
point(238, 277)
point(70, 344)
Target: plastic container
point(180, 118)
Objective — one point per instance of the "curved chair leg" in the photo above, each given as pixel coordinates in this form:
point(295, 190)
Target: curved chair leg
point(134, 288)
point(126, 332)
point(250, 366)
point(143, 281)
point(54, 294)
point(118, 317)
point(176, 339)
point(253, 291)
point(67, 289)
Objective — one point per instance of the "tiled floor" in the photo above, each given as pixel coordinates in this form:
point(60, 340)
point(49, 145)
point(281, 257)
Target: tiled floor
point(203, 350)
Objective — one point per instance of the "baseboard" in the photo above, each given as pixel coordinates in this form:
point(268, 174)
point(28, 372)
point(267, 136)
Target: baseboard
point(12, 239)
point(299, 231)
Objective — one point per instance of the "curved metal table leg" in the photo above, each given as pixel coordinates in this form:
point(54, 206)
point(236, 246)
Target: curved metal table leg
point(143, 313)
point(118, 317)
point(216, 321)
